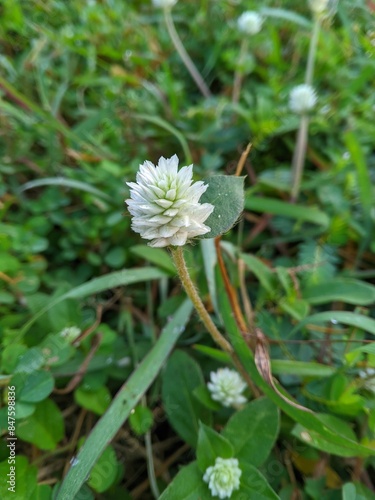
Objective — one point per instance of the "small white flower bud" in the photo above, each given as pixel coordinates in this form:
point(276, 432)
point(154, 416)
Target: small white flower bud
point(164, 3)
point(164, 203)
point(223, 477)
point(302, 98)
point(226, 386)
point(250, 22)
point(70, 333)
point(318, 6)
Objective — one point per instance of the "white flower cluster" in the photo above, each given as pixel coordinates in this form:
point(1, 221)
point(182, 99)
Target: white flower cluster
point(250, 23)
point(223, 477)
point(164, 203)
point(226, 386)
point(302, 98)
point(164, 3)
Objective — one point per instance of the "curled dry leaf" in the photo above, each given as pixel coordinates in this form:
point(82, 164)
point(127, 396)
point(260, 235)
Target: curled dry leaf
point(263, 364)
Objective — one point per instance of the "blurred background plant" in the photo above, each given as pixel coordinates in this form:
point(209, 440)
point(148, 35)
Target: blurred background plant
point(88, 91)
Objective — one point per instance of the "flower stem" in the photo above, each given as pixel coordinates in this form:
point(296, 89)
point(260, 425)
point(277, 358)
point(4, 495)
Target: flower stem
point(299, 156)
point(238, 76)
point(312, 52)
point(184, 55)
point(301, 143)
point(179, 260)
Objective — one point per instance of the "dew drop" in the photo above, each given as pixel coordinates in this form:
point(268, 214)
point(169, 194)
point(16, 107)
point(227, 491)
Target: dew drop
point(74, 461)
point(334, 321)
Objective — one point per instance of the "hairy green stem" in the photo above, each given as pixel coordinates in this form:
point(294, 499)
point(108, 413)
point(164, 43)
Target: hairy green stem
point(190, 66)
point(302, 134)
point(312, 52)
point(179, 260)
point(238, 76)
point(299, 156)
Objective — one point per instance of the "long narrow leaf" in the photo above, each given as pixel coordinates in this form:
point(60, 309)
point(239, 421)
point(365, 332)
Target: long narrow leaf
point(112, 280)
point(122, 405)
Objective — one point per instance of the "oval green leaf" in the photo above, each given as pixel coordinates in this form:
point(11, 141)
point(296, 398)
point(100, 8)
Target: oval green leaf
point(226, 193)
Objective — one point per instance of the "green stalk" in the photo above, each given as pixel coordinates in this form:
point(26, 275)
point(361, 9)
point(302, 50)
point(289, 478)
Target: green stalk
point(299, 156)
point(238, 76)
point(190, 66)
point(179, 260)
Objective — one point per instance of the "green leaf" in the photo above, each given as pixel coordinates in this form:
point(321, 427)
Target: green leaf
point(316, 440)
point(253, 485)
point(187, 485)
point(213, 353)
point(282, 208)
point(37, 386)
point(26, 480)
point(226, 193)
point(67, 183)
point(311, 421)
point(210, 446)
point(123, 403)
point(141, 419)
point(204, 396)
point(105, 471)
point(301, 368)
point(181, 376)
point(347, 318)
point(96, 285)
point(44, 428)
point(347, 290)
point(253, 431)
point(264, 274)
point(96, 401)
point(156, 256)
point(286, 15)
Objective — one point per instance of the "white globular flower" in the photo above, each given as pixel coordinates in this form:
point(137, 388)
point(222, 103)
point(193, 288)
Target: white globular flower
point(223, 477)
point(302, 98)
point(226, 386)
point(250, 22)
point(164, 3)
point(164, 203)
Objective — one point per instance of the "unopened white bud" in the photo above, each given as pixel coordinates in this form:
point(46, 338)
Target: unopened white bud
point(250, 22)
point(302, 98)
point(164, 3)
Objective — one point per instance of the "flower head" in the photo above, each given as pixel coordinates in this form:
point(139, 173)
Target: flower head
point(164, 3)
point(164, 203)
point(302, 98)
point(226, 386)
point(250, 22)
point(223, 477)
